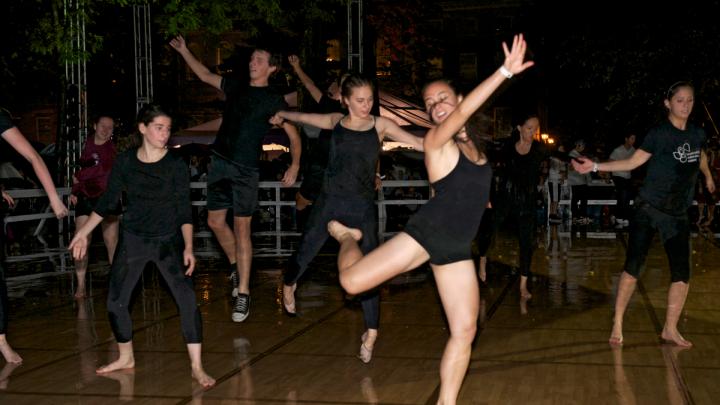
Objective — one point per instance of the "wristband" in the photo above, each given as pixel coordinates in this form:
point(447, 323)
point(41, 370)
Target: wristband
point(595, 168)
point(505, 72)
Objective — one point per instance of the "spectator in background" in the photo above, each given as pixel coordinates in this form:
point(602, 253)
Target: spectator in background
point(621, 180)
point(578, 183)
point(89, 183)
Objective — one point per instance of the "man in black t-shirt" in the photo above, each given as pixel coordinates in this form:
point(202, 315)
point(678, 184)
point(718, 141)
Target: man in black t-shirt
point(233, 174)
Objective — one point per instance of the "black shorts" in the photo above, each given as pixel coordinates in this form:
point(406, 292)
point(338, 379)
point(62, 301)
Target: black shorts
point(85, 205)
point(674, 234)
point(232, 186)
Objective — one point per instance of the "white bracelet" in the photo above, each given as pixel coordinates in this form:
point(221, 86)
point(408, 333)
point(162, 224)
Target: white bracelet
point(595, 167)
point(505, 72)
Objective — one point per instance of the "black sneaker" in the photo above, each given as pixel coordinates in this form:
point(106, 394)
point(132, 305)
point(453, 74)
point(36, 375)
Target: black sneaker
point(241, 308)
point(235, 281)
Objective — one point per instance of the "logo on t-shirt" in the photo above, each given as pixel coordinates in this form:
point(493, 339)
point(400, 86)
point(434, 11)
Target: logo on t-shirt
point(684, 155)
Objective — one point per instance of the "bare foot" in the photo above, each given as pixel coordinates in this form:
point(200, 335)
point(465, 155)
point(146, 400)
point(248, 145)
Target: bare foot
point(674, 338)
point(202, 378)
point(482, 264)
point(10, 355)
point(368, 343)
point(523, 305)
point(525, 294)
point(119, 364)
point(341, 232)
point(616, 336)
point(288, 297)
point(80, 294)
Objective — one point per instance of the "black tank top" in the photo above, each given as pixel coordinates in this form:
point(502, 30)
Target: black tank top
point(352, 162)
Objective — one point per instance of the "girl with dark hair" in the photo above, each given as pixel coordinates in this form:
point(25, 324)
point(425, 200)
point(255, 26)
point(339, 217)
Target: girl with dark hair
point(157, 228)
point(443, 229)
point(674, 153)
point(522, 160)
point(12, 136)
point(348, 188)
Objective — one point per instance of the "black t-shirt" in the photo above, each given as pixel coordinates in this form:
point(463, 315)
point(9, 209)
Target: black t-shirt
point(158, 194)
point(521, 173)
point(245, 121)
point(673, 167)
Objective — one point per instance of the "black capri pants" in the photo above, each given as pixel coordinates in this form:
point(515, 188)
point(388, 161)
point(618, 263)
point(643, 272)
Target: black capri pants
point(675, 236)
point(133, 254)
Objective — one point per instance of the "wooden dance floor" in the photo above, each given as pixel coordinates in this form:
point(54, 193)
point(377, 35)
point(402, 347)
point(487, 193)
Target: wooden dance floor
point(550, 350)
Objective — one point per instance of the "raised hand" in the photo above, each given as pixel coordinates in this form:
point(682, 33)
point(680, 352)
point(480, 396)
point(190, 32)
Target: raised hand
point(294, 61)
point(514, 56)
point(178, 43)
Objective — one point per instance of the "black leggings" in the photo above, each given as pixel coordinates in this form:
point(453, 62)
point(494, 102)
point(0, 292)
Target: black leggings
point(133, 254)
point(674, 233)
point(518, 208)
point(355, 213)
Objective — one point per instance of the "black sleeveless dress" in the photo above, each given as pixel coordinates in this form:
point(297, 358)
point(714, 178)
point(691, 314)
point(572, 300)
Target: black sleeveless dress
point(448, 223)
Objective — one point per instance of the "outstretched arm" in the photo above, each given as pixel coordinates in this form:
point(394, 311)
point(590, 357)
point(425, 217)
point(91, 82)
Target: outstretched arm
point(314, 91)
point(388, 128)
point(323, 121)
point(16, 139)
point(584, 165)
point(200, 70)
point(513, 64)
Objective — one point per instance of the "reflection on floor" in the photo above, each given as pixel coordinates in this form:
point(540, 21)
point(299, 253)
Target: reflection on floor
point(551, 349)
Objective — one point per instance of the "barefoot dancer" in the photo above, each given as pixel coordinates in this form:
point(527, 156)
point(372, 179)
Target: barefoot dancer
point(443, 229)
point(157, 228)
point(12, 136)
point(96, 160)
point(674, 154)
point(348, 189)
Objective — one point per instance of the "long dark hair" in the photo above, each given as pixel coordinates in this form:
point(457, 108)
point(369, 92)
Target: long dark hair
point(519, 120)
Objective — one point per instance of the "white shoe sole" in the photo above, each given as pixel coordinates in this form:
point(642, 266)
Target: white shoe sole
point(238, 317)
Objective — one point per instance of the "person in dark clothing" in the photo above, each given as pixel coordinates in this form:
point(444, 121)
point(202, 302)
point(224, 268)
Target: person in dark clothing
point(443, 229)
point(315, 160)
point(12, 138)
point(157, 228)
point(233, 174)
point(522, 160)
point(90, 182)
point(674, 153)
point(348, 188)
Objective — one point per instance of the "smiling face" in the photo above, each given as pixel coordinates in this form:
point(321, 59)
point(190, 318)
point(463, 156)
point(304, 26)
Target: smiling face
point(103, 129)
point(440, 100)
point(681, 103)
point(360, 101)
point(157, 132)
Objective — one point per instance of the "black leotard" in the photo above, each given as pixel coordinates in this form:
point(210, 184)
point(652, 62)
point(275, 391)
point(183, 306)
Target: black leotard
point(447, 224)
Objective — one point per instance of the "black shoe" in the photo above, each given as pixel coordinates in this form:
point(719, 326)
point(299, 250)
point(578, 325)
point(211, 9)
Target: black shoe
point(241, 308)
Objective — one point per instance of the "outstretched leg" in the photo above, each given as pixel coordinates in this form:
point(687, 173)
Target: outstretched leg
point(459, 292)
point(360, 273)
